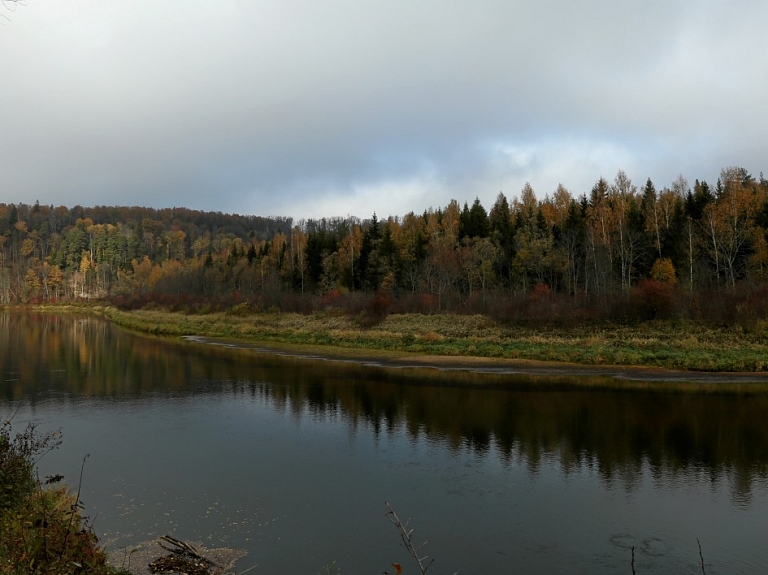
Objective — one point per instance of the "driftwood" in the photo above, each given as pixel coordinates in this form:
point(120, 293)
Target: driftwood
point(183, 558)
point(145, 558)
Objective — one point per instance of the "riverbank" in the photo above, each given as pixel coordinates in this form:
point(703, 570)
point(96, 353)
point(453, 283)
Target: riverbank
point(668, 345)
point(42, 530)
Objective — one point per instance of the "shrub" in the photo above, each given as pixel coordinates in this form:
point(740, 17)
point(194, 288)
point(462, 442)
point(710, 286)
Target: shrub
point(41, 529)
point(541, 290)
point(376, 311)
point(241, 309)
point(18, 455)
point(653, 299)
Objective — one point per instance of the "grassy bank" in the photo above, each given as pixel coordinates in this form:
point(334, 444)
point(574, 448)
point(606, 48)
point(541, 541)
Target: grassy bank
point(41, 529)
point(671, 345)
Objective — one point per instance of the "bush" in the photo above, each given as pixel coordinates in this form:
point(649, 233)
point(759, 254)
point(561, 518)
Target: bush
point(653, 299)
point(18, 456)
point(241, 309)
point(376, 311)
point(41, 529)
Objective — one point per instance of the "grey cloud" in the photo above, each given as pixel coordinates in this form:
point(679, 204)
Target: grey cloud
point(308, 106)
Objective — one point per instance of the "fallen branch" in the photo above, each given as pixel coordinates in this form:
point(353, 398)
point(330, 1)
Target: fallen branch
point(181, 547)
point(183, 558)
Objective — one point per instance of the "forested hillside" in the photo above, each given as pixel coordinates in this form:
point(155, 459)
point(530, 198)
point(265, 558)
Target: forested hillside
point(688, 250)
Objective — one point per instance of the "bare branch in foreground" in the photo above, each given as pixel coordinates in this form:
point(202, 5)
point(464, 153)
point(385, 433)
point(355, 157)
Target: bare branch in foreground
point(405, 535)
point(701, 557)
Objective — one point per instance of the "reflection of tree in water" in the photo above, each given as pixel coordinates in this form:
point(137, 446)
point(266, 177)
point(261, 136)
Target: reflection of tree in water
point(619, 434)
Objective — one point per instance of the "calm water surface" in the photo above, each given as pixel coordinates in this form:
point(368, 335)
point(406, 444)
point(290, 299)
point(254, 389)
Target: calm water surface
point(292, 459)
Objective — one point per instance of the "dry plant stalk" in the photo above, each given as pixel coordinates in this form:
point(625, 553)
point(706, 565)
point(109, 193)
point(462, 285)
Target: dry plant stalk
point(405, 535)
point(701, 557)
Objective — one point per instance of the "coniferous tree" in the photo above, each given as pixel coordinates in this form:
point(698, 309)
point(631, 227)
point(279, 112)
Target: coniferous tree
point(502, 234)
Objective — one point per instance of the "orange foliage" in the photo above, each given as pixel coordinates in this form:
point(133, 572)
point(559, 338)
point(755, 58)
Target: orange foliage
point(664, 271)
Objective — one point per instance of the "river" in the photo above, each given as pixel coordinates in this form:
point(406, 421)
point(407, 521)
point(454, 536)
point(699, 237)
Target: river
point(292, 459)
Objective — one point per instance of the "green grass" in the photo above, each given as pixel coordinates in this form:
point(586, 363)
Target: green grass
point(672, 345)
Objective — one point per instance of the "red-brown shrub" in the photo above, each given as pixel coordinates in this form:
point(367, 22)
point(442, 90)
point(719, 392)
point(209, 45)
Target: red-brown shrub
point(653, 299)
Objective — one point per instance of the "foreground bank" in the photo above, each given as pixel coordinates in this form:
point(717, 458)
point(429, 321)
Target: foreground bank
point(669, 345)
point(41, 528)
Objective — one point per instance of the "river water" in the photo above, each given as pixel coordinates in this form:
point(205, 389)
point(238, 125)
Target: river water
point(292, 459)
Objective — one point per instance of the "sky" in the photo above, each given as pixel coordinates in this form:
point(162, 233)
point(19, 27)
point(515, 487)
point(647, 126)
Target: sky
point(326, 108)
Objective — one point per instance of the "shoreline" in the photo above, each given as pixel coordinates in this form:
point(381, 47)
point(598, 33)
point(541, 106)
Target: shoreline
point(491, 366)
point(652, 352)
point(670, 346)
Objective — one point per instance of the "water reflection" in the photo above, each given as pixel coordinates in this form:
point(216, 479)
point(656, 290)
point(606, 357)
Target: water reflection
point(675, 435)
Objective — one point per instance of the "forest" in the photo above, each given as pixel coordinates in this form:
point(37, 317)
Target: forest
point(618, 251)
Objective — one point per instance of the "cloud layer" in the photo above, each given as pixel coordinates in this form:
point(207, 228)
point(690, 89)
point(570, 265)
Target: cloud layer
point(311, 109)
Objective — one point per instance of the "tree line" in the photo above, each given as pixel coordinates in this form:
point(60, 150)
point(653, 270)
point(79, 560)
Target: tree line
point(616, 242)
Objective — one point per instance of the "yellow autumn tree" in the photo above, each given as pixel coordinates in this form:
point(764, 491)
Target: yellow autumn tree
point(664, 271)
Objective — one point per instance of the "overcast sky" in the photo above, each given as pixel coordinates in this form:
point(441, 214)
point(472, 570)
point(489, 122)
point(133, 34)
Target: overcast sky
point(312, 108)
